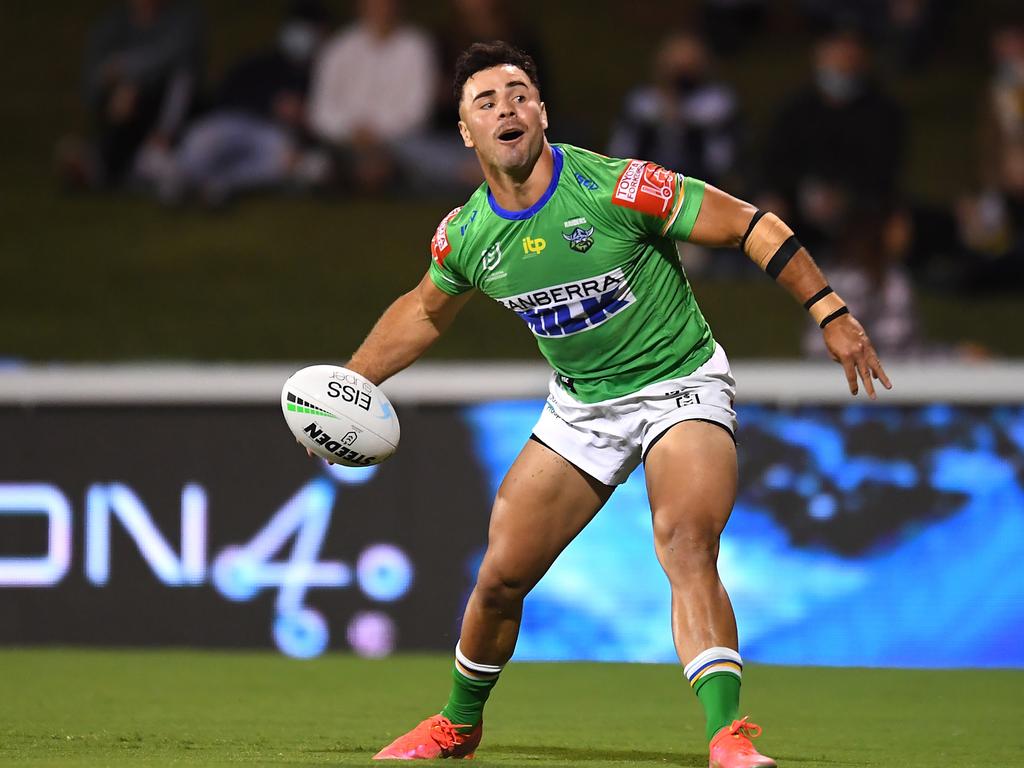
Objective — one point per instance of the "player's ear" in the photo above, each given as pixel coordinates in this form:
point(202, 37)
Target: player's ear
point(544, 115)
point(467, 140)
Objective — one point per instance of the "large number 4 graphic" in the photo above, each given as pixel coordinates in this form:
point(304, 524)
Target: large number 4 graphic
point(240, 572)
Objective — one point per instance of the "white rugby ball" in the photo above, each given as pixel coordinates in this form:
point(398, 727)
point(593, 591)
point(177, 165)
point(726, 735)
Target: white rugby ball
point(340, 416)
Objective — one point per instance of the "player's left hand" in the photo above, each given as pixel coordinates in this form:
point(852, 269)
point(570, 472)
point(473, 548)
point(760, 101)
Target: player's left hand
point(850, 346)
point(311, 454)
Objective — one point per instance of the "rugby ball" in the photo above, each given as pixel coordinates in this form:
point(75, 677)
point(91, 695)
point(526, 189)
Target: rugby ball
point(340, 415)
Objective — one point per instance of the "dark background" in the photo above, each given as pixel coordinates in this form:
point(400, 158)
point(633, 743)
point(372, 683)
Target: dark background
point(112, 277)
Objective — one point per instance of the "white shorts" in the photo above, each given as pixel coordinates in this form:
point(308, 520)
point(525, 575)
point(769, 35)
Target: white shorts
point(607, 440)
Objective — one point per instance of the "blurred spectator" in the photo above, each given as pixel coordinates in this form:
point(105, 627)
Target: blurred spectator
point(992, 224)
point(932, 244)
point(907, 32)
point(373, 86)
point(840, 139)
point(254, 134)
point(143, 69)
point(874, 284)
point(684, 119)
point(871, 276)
point(731, 24)
point(913, 32)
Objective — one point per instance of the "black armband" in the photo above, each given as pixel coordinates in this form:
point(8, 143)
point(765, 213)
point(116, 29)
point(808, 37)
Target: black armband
point(750, 228)
point(769, 243)
point(782, 256)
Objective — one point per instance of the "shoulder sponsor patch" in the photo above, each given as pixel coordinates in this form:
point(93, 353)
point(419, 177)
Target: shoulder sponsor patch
point(440, 246)
point(646, 187)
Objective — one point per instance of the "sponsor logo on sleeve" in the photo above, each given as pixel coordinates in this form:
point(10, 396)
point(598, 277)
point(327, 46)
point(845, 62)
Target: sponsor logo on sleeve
point(646, 187)
point(440, 246)
point(563, 310)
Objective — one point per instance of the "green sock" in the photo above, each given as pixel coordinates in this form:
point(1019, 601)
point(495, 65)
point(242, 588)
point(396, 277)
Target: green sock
point(466, 701)
point(719, 693)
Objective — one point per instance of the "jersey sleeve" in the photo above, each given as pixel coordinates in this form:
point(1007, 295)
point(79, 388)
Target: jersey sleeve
point(444, 271)
point(659, 201)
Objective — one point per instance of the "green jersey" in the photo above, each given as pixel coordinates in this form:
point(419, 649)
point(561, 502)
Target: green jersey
point(592, 269)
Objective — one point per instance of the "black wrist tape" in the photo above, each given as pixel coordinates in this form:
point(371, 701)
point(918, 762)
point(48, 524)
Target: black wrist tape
point(818, 296)
point(838, 313)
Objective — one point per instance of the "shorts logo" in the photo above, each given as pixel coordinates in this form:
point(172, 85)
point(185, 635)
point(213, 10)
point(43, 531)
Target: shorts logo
point(563, 310)
point(646, 187)
point(534, 245)
point(684, 397)
point(440, 246)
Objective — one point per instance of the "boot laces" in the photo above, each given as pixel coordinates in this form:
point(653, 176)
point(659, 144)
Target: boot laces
point(743, 728)
point(445, 733)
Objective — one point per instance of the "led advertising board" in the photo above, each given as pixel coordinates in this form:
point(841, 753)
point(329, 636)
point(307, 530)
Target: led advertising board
point(862, 535)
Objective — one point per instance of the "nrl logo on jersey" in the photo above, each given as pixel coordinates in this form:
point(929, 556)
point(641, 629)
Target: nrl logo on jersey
point(491, 257)
point(580, 239)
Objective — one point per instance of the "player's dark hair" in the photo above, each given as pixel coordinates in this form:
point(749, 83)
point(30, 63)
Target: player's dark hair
point(480, 56)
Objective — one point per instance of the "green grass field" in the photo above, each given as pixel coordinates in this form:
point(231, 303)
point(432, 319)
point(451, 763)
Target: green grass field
point(180, 708)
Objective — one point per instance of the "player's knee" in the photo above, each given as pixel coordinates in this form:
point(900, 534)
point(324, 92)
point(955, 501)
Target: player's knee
point(683, 546)
point(499, 587)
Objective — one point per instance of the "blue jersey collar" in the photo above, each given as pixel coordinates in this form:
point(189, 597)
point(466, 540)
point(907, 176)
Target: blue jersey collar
point(556, 154)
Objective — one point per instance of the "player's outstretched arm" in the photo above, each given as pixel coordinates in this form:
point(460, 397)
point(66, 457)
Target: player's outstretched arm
point(406, 330)
point(726, 221)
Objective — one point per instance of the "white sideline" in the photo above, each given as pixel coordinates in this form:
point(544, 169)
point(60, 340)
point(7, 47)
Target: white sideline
point(432, 383)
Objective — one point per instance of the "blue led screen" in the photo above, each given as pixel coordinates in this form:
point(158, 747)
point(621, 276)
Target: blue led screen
point(862, 535)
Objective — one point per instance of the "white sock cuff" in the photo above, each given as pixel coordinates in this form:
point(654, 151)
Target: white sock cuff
point(483, 670)
point(713, 660)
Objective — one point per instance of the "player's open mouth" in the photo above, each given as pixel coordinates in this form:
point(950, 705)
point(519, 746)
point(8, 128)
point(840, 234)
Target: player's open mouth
point(511, 135)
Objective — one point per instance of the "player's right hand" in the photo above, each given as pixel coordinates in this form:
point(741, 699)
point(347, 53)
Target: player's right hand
point(850, 346)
